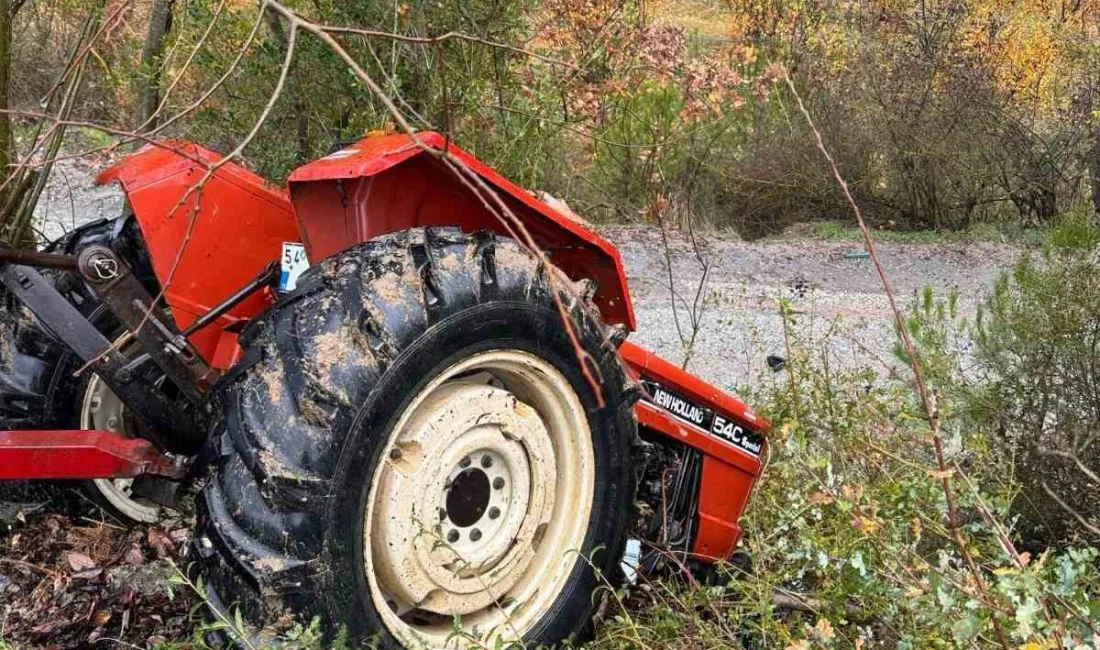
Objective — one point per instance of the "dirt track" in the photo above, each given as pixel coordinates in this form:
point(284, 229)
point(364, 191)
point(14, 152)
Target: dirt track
point(829, 286)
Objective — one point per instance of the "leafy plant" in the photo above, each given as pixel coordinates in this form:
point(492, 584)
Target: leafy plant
point(1037, 342)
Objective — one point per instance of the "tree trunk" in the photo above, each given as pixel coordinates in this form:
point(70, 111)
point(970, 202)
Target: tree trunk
point(5, 69)
point(149, 75)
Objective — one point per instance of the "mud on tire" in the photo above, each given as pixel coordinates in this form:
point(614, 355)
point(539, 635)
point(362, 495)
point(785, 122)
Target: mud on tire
point(326, 376)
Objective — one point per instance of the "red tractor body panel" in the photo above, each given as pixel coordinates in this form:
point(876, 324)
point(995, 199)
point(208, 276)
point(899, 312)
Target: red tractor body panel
point(239, 225)
point(235, 224)
point(384, 184)
point(731, 462)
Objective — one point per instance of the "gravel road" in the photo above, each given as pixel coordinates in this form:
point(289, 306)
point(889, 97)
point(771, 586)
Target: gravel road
point(830, 290)
point(740, 323)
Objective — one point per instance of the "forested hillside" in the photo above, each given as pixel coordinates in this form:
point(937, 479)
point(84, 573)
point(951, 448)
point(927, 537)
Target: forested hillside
point(940, 114)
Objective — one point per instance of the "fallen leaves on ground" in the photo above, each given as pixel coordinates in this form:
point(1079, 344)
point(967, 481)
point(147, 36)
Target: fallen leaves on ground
point(67, 582)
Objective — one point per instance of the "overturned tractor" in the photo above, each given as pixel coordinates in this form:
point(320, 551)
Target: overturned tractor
point(402, 382)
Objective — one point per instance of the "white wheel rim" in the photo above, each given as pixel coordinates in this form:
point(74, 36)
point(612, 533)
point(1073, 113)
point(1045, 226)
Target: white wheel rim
point(103, 410)
point(481, 502)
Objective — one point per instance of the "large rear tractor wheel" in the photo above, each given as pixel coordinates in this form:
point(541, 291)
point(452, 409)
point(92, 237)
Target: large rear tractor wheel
point(411, 451)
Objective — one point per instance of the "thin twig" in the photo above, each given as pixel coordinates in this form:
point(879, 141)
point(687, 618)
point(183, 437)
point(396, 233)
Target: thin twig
point(930, 413)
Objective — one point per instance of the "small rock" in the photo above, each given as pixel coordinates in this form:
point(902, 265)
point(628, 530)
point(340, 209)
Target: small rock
point(146, 580)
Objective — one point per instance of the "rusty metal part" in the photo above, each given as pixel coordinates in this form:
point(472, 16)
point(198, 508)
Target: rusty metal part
point(36, 259)
point(115, 284)
point(81, 455)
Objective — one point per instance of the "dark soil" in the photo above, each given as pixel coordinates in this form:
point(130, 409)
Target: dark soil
point(70, 577)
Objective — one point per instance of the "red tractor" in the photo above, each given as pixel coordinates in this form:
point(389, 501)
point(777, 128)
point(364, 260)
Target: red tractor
point(432, 425)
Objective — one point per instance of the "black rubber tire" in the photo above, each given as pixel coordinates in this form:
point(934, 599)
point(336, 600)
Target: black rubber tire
point(37, 387)
point(281, 518)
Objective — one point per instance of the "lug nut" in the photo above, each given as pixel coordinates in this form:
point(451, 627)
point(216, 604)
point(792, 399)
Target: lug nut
point(494, 512)
point(475, 535)
point(498, 483)
point(486, 461)
point(395, 454)
point(465, 462)
point(452, 536)
point(442, 514)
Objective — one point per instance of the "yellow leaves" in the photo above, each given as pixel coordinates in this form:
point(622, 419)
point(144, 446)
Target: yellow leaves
point(1045, 644)
point(1027, 44)
point(940, 475)
point(388, 128)
point(824, 630)
point(866, 525)
point(821, 499)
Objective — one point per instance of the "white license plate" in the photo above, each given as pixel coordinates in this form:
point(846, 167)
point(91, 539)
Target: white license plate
point(292, 264)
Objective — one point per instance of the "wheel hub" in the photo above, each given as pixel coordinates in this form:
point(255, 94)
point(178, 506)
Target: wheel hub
point(470, 458)
point(481, 498)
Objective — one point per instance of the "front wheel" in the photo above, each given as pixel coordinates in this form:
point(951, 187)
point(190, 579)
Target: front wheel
point(417, 455)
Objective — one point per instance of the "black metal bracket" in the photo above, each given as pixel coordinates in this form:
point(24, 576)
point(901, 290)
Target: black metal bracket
point(175, 426)
point(154, 329)
point(265, 278)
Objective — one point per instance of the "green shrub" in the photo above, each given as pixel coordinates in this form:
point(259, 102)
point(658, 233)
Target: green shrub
point(1038, 343)
point(847, 528)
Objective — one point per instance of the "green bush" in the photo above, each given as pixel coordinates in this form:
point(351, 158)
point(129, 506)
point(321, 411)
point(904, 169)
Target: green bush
point(847, 527)
point(1038, 343)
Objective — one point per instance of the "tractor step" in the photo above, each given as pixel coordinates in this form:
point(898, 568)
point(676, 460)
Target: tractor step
point(73, 454)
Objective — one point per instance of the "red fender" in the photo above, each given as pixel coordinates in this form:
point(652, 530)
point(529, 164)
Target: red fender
point(388, 183)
